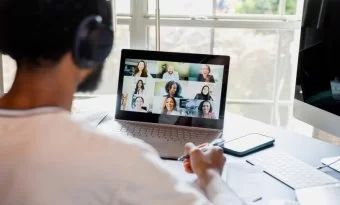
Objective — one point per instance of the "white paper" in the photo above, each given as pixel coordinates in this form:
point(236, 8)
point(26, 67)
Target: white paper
point(248, 184)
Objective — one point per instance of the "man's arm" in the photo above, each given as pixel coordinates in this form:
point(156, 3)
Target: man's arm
point(217, 191)
point(208, 167)
point(146, 179)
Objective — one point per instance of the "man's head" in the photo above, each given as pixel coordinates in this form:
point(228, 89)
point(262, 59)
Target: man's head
point(38, 34)
point(171, 69)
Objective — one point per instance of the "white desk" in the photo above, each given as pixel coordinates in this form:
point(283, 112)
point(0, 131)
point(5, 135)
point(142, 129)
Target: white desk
point(246, 180)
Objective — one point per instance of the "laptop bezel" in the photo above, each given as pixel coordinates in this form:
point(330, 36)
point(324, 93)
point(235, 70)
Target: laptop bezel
point(175, 57)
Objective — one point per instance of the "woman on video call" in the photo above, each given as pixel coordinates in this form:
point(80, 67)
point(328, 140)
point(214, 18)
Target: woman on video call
point(139, 89)
point(173, 89)
point(205, 110)
point(169, 107)
point(139, 101)
point(205, 94)
point(141, 70)
point(205, 75)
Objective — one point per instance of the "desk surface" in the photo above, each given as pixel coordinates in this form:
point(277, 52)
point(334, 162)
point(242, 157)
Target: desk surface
point(307, 149)
point(246, 179)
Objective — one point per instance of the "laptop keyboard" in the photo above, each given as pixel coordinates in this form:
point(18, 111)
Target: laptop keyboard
point(164, 134)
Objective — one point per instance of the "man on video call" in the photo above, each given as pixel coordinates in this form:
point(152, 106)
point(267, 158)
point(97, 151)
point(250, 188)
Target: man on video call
point(171, 74)
point(46, 158)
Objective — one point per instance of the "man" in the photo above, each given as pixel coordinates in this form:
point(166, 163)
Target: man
point(171, 75)
point(45, 157)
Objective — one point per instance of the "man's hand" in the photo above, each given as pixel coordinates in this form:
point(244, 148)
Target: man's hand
point(208, 166)
point(205, 164)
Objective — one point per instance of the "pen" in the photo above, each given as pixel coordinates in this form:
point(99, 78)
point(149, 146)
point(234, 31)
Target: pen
point(217, 142)
point(257, 199)
point(102, 119)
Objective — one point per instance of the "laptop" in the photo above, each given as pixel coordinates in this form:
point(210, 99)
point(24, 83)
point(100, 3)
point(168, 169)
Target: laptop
point(325, 195)
point(168, 99)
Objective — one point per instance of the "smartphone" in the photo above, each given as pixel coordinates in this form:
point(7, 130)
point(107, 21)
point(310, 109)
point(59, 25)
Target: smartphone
point(247, 144)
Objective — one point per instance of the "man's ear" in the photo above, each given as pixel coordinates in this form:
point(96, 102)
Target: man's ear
point(81, 73)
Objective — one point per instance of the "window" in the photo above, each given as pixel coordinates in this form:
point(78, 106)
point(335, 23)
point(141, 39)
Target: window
point(9, 69)
point(182, 7)
point(224, 7)
point(184, 39)
point(261, 36)
point(123, 6)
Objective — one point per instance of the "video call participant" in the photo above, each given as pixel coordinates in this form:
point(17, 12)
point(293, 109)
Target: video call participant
point(205, 110)
point(205, 94)
point(173, 89)
point(139, 89)
point(170, 107)
point(139, 102)
point(205, 75)
point(171, 74)
point(46, 158)
point(141, 70)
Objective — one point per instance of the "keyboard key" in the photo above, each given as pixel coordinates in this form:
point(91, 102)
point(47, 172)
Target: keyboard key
point(162, 134)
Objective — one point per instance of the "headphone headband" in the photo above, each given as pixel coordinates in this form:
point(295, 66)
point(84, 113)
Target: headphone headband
point(93, 42)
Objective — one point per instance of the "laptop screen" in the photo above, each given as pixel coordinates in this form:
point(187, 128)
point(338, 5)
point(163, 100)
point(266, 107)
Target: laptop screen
point(171, 89)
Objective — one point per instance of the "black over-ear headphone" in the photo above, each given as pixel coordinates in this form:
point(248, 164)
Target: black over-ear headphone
point(93, 42)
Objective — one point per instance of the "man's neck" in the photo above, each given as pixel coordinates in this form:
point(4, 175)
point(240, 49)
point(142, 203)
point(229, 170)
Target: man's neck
point(39, 89)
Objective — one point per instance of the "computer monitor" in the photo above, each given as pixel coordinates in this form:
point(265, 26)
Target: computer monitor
point(317, 93)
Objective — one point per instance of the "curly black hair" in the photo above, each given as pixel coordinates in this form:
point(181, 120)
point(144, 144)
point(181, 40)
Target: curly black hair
point(35, 32)
point(168, 86)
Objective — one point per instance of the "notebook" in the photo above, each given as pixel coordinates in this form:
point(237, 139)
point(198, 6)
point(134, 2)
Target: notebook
point(168, 99)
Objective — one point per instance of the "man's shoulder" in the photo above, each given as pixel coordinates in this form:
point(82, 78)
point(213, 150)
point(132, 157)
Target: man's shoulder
point(117, 142)
point(61, 127)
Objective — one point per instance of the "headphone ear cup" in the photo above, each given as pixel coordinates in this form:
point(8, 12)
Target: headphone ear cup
point(93, 42)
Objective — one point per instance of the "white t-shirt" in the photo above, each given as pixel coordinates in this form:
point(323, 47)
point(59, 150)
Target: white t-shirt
point(174, 76)
point(46, 158)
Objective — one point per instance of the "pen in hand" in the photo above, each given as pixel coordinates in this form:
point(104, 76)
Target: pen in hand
point(218, 143)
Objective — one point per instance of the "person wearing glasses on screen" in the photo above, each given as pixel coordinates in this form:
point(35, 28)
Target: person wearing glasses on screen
point(205, 94)
point(171, 74)
point(139, 102)
point(173, 89)
point(205, 76)
point(205, 110)
point(170, 106)
point(139, 89)
point(141, 70)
